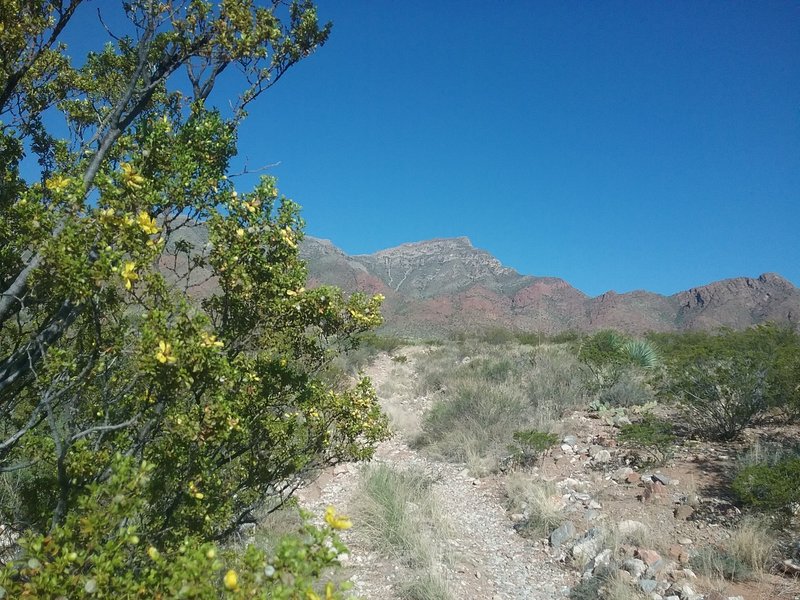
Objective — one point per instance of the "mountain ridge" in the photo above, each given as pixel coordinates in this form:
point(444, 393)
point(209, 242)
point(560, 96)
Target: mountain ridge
point(445, 285)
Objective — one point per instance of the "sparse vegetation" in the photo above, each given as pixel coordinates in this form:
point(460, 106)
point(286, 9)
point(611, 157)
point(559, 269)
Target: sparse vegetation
point(538, 501)
point(652, 438)
point(493, 394)
point(401, 519)
point(530, 445)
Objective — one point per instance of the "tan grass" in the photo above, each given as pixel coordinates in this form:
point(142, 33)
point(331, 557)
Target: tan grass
point(753, 544)
point(538, 500)
point(400, 518)
point(617, 588)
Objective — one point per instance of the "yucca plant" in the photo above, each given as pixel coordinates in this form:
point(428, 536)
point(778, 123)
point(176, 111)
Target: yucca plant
point(641, 353)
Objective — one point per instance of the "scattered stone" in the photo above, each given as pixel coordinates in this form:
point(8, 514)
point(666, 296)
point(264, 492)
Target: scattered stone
point(629, 527)
point(633, 477)
point(635, 567)
point(679, 553)
point(567, 449)
point(661, 477)
point(791, 566)
point(648, 585)
point(595, 505)
point(620, 420)
point(582, 497)
point(654, 491)
point(685, 542)
point(620, 474)
point(601, 457)
point(594, 449)
point(715, 595)
point(602, 560)
point(564, 533)
point(516, 517)
point(650, 557)
point(683, 512)
point(570, 439)
point(586, 547)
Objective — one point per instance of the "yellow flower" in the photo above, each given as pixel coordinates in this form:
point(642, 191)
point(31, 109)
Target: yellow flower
point(130, 177)
point(312, 595)
point(147, 223)
point(288, 237)
point(152, 553)
point(231, 580)
point(329, 591)
point(240, 232)
point(129, 274)
point(57, 184)
point(164, 354)
point(208, 340)
point(336, 521)
point(107, 214)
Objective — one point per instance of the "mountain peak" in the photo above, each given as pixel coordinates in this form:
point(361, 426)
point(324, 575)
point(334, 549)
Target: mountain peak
point(446, 284)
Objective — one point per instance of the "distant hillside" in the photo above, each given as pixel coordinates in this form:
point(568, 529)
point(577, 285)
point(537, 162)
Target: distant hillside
point(446, 285)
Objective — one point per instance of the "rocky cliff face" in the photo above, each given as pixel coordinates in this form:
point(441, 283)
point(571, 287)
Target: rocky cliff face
point(447, 285)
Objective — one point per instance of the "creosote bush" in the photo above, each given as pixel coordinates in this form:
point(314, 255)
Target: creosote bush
point(98, 552)
point(148, 306)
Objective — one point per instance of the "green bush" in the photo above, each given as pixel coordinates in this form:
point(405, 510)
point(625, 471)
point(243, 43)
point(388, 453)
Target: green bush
point(148, 306)
point(99, 553)
point(652, 436)
point(769, 486)
point(769, 349)
point(530, 444)
point(721, 397)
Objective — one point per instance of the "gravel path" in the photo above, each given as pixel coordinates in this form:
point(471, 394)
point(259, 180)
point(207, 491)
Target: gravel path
point(484, 556)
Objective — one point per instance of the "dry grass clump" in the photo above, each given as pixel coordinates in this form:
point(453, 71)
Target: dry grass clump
point(488, 395)
point(538, 501)
point(752, 544)
point(427, 585)
point(401, 519)
point(615, 537)
point(617, 588)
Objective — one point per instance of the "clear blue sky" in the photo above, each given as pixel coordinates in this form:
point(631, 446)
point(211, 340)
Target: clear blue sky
point(619, 145)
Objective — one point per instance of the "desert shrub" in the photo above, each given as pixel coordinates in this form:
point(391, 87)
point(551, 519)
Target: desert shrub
point(768, 349)
point(401, 519)
point(97, 552)
point(428, 585)
point(529, 445)
point(150, 308)
point(398, 509)
point(652, 437)
point(721, 397)
point(629, 389)
point(769, 486)
point(475, 417)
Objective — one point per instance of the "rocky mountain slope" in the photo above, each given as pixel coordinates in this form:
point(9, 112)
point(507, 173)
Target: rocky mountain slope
point(447, 285)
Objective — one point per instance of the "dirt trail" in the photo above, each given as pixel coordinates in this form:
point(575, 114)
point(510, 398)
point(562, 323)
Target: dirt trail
point(486, 558)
